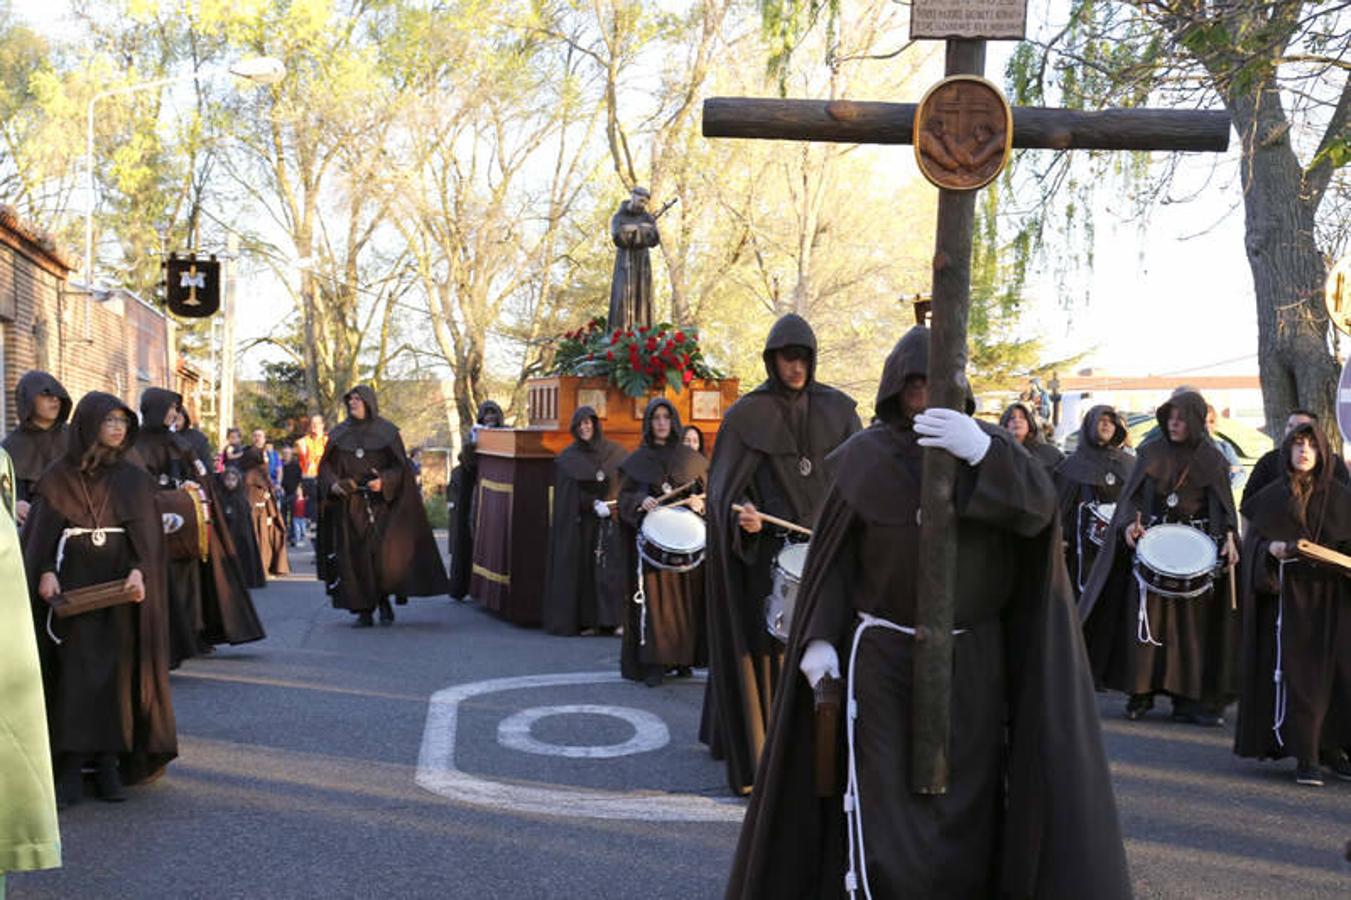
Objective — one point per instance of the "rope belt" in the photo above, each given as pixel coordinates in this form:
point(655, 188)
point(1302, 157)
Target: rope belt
point(641, 596)
point(853, 799)
point(1278, 673)
point(1143, 634)
point(98, 536)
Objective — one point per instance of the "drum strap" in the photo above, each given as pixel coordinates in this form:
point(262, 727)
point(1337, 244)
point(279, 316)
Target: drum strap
point(1143, 634)
point(853, 800)
point(1278, 673)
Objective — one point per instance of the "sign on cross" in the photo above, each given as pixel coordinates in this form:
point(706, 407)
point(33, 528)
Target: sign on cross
point(895, 123)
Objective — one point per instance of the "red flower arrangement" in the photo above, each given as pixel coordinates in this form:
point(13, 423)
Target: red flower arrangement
point(636, 362)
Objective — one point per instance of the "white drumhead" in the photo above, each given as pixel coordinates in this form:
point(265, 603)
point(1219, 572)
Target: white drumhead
point(1103, 511)
point(1174, 549)
point(793, 559)
point(674, 528)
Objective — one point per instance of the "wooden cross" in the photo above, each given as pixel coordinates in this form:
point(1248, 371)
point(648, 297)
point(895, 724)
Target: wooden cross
point(893, 123)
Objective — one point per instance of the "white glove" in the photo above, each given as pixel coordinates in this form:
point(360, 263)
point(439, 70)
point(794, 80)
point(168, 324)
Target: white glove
point(602, 509)
point(954, 432)
point(819, 660)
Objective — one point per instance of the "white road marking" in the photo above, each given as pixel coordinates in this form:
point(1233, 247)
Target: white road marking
point(438, 773)
point(649, 732)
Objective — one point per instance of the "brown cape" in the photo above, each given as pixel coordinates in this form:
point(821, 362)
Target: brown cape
point(1093, 472)
point(33, 449)
point(460, 496)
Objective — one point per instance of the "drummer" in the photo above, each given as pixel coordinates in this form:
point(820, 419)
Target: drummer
point(770, 459)
point(1141, 642)
point(664, 619)
point(1088, 482)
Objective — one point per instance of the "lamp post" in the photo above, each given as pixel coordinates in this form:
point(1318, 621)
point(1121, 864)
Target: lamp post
point(259, 70)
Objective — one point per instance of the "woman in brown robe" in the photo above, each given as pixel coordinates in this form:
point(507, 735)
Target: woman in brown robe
point(237, 512)
point(1019, 421)
point(269, 527)
point(1092, 475)
point(374, 537)
point(584, 588)
point(1295, 697)
point(106, 671)
point(1140, 642)
point(1029, 810)
point(43, 408)
point(666, 630)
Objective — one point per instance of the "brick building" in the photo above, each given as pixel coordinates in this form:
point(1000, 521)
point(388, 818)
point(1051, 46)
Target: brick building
point(112, 341)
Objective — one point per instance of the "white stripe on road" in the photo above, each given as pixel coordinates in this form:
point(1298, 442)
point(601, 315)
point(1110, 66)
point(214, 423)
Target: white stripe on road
point(649, 732)
point(438, 773)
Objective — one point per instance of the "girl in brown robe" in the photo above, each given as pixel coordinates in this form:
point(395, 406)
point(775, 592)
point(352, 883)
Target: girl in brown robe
point(665, 631)
point(1295, 695)
point(1019, 421)
point(106, 671)
point(44, 409)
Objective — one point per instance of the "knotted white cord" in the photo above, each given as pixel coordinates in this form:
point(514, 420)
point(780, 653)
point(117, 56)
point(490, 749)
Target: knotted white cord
point(66, 534)
point(1278, 675)
point(1143, 634)
point(853, 798)
point(641, 596)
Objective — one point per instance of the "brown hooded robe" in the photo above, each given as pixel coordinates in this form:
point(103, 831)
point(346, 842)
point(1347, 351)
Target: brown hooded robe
point(107, 682)
point(1093, 473)
point(461, 496)
point(1198, 635)
point(761, 443)
point(587, 568)
point(33, 449)
point(1042, 450)
point(269, 528)
point(1311, 645)
point(674, 635)
point(1030, 810)
point(373, 544)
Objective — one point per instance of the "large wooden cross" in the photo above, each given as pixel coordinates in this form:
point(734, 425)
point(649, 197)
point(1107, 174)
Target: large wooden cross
point(894, 123)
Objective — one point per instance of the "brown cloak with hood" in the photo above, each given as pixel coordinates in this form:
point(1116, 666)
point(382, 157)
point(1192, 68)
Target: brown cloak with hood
point(1093, 473)
point(674, 600)
point(1030, 811)
point(373, 544)
point(587, 568)
point(236, 513)
point(761, 443)
point(269, 528)
point(1313, 604)
point(1042, 450)
point(33, 449)
point(461, 495)
point(107, 682)
point(1198, 635)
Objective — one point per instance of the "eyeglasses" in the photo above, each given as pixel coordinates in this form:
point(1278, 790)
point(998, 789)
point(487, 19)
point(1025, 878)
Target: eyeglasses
point(117, 421)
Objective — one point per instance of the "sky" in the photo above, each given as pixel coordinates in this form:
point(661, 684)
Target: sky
point(1151, 292)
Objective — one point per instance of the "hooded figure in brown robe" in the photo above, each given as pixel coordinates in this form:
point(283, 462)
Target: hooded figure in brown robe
point(770, 456)
point(269, 528)
point(236, 511)
point(461, 496)
point(587, 566)
point(1029, 810)
point(1295, 689)
point(1270, 468)
point(374, 537)
point(32, 446)
point(1142, 643)
point(1030, 434)
point(666, 630)
point(1092, 475)
point(105, 672)
point(209, 602)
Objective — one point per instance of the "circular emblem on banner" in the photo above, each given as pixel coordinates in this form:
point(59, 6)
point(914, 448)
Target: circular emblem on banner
point(963, 133)
point(1337, 293)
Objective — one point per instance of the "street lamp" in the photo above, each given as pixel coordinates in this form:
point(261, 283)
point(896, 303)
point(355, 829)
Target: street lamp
point(259, 70)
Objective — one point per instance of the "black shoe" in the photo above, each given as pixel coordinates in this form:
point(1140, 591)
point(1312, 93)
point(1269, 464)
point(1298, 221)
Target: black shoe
point(386, 612)
point(1341, 766)
point(400, 600)
point(108, 781)
point(1138, 705)
point(364, 619)
point(70, 782)
point(1308, 774)
point(653, 678)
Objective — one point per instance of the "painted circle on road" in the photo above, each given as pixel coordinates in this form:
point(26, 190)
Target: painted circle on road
point(649, 732)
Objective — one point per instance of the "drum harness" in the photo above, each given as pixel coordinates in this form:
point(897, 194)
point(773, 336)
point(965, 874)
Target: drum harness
point(853, 799)
point(98, 536)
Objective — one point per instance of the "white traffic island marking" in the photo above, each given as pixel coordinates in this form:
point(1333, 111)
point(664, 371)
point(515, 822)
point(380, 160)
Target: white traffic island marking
point(438, 773)
point(649, 732)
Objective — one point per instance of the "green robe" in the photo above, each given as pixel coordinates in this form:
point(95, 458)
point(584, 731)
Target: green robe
point(29, 836)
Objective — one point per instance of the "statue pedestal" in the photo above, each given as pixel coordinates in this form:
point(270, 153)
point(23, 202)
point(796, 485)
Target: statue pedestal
point(516, 476)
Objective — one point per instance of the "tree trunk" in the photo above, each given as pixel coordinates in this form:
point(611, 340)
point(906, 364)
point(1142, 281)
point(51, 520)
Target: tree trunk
point(1295, 365)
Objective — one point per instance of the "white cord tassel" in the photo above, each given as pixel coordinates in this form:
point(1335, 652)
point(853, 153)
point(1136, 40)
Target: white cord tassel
point(1278, 676)
point(641, 596)
point(1143, 634)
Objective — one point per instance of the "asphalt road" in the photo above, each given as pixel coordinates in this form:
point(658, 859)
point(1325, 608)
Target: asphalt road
point(332, 762)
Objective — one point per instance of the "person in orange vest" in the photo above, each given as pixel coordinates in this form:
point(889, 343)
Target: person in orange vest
point(309, 450)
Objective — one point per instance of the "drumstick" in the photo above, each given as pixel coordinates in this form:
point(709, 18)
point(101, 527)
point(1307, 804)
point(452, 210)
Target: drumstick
point(664, 497)
point(775, 520)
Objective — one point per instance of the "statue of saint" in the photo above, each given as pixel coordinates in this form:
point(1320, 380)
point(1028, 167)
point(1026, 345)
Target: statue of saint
point(634, 231)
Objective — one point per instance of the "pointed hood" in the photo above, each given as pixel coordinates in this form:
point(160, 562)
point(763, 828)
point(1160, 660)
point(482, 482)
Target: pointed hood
point(909, 357)
point(155, 406)
point(1088, 429)
point(790, 330)
point(367, 395)
point(31, 386)
point(1193, 408)
point(368, 433)
point(1091, 462)
point(581, 415)
point(649, 439)
point(92, 409)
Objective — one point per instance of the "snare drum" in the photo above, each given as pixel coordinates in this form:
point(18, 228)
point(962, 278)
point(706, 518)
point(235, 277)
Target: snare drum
point(1097, 517)
point(1175, 560)
point(186, 519)
point(672, 539)
point(782, 600)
